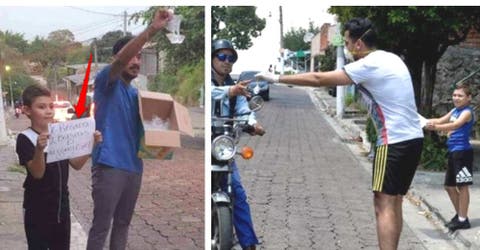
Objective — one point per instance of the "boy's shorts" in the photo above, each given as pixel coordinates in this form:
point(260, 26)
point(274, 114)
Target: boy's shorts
point(459, 170)
point(394, 166)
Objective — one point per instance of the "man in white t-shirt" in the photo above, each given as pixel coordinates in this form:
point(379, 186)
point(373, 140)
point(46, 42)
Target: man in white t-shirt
point(385, 82)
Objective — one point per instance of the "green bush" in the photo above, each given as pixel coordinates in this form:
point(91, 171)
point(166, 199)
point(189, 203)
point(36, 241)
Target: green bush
point(163, 82)
point(289, 72)
point(434, 153)
point(191, 79)
point(371, 131)
point(349, 99)
point(185, 84)
point(18, 169)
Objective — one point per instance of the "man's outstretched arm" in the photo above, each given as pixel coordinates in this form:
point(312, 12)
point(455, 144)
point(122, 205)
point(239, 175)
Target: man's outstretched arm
point(313, 79)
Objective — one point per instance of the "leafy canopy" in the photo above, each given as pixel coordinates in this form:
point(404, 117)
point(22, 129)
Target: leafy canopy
point(238, 24)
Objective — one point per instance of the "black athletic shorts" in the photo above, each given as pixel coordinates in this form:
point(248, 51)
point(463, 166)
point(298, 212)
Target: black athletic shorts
point(459, 170)
point(394, 166)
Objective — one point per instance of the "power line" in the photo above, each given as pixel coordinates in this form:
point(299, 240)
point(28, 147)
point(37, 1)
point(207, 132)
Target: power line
point(115, 23)
point(100, 12)
point(93, 24)
point(132, 30)
point(103, 25)
point(95, 12)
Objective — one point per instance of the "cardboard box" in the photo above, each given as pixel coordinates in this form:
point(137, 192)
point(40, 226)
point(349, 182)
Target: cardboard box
point(159, 143)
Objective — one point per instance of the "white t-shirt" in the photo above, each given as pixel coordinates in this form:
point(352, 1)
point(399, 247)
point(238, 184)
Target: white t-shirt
point(386, 85)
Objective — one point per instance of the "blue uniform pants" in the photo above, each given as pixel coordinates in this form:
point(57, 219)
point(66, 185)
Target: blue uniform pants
point(242, 219)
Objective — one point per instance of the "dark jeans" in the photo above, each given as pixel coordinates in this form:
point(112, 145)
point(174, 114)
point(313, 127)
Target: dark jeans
point(114, 194)
point(51, 235)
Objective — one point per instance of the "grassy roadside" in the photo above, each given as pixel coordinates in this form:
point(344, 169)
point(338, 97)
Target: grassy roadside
point(18, 169)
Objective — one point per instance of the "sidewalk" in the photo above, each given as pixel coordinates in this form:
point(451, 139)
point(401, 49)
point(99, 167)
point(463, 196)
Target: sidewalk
point(426, 193)
point(12, 233)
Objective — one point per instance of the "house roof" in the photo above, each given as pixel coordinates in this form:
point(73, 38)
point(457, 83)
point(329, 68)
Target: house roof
point(78, 78)
point(83, 66)
point(139, 82)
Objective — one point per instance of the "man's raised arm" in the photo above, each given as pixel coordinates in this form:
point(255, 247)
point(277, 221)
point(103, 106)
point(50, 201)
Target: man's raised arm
point(132, 48)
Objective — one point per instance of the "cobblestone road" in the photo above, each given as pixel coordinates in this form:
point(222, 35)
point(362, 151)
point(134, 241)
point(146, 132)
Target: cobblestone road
point(305, 188)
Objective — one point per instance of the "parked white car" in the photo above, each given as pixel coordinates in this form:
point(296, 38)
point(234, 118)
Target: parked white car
point(64, 111)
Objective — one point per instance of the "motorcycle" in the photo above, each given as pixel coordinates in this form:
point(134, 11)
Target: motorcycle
point(226, 134)
point(18, 111)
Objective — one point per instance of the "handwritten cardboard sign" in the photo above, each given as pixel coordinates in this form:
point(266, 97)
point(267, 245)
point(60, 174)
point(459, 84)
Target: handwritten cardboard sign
point(70, 139)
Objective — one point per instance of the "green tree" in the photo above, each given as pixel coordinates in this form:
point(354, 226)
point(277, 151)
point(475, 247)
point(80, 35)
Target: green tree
point(293, 39)
point(78, 54)
point(328, 61)
point(36, 49)
point(16, 76)
point(241, 24)
point(9, 56)
point(19, 80)
point(420, 35)
point(63, 36)
point(14, 40)
point(105, 44)
point(192, 49)
point(180, 58)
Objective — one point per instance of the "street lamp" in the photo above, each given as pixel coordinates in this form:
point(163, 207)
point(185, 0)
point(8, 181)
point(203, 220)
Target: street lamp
point(8, 68)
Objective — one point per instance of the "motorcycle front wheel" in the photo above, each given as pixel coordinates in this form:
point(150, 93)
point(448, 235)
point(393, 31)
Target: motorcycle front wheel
point(222, 227)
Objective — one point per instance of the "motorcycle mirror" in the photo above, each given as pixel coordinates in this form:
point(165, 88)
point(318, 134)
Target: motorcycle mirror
point(256, 103)
point(256, 90)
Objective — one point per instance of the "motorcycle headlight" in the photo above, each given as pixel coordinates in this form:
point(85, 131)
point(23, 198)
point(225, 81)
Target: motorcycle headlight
point(223, 148)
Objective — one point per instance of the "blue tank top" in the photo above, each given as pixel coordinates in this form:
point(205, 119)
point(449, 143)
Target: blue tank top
point(459, 138)
point(117, 117)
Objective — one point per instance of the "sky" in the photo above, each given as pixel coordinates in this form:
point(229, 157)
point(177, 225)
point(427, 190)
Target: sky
point(265, 49)
point(85, 22)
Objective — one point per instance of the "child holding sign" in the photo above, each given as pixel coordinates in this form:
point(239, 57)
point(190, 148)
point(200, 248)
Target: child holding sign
point(46, 203)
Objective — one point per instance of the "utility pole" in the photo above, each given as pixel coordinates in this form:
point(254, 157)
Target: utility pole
point(282, 56)
point(3, 127)
point(11, 91)
point(124, 23)
point(340, 89)
point(55, 80)
point(281, 26)
point(95, 52)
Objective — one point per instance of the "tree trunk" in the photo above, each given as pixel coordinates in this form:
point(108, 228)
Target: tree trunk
point(429, 84)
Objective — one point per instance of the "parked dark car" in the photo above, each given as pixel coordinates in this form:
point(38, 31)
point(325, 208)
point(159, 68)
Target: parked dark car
point(263, 85)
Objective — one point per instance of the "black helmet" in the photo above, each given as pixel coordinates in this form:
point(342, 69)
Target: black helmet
point(223, 44)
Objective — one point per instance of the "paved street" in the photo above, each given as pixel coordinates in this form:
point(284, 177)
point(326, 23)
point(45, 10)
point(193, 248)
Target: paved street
point(169, 213)
point(306, 188)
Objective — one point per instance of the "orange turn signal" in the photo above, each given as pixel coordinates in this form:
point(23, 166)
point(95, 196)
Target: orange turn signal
point(247, 152)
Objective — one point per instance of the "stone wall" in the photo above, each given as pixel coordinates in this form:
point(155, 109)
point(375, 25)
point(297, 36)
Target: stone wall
point(456, 63)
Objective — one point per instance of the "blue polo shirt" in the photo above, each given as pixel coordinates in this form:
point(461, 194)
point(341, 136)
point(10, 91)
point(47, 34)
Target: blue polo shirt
point(117, 117)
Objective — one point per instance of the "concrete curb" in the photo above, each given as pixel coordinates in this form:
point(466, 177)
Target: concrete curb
point(440, 219)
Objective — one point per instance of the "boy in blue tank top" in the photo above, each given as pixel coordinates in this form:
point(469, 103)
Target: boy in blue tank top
point(458, 124)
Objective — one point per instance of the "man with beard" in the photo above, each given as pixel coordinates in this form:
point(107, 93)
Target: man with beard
point(116, 168)
point(229, 99)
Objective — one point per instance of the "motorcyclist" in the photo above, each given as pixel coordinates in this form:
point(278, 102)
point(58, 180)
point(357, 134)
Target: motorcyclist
point(17, 109)
point(228, 99)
